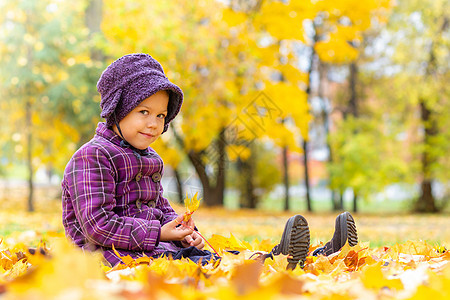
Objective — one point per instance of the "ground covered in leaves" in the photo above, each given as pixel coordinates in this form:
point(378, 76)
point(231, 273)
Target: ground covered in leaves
point(398, 257)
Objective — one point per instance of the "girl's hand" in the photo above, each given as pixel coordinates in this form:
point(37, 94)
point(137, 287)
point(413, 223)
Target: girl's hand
point(170, 231)
point(190, 223)
point(193, 240)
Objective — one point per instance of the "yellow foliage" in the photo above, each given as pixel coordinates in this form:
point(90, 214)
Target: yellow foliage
point(373, 278)
point(416, 270)
point(436, 287)
point(290, 101)
point(233, 18)
point(221, 243)
point(281, 21)
point(68, 269)
point(336, 50)
point(293, 75)
point(413, 248)
point(170, 155)
point(191, 205)
point(220, 67)
point(237, 151)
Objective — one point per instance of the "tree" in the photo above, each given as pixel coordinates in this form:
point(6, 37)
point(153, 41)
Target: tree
point(419, 32)
point(42, 56)
point(219, 73)
point(255, 176)
point(326, 30)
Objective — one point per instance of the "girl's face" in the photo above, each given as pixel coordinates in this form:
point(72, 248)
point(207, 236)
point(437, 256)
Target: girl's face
point(145, 123)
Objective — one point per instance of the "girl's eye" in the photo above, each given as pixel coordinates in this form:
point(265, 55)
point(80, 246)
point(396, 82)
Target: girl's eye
point(144, 112)
point(161, 116)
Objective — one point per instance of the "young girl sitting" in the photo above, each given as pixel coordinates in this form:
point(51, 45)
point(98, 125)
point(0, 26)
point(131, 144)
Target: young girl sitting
point(112, 193)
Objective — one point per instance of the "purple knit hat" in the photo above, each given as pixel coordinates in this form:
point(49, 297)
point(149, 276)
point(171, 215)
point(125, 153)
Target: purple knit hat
point(130, 80)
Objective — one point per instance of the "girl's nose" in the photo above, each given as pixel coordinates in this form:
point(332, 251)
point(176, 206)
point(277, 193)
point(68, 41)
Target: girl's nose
point(152, 122)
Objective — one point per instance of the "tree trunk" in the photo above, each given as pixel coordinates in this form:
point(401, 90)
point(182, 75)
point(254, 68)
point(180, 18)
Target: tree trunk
point(213, 197)
point(93, 16)
point(221, 170)
point(28, 122)
point(179, 185)
point(334, 203)
point(210, 194)
point(308, 95)
point(353, 102)
point(355, 202)
point(250, 187)
point(337, 200)
point(286, 178)
point(246, 198)
point(29, 126)
point(353, 110)
point(326, 124)
point(49, 171)
point(426, 202)
point(93, 21)
point(246, 169)
point(305, 155)
point(213, 194)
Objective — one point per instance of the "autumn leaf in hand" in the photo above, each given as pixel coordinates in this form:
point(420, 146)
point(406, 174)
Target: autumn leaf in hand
point(191, 205)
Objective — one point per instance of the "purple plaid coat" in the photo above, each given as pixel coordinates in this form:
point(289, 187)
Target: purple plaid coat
point(112, 196)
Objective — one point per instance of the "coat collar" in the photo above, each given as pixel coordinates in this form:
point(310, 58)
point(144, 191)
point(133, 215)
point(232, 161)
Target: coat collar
point(107, 133)
point(104, 131)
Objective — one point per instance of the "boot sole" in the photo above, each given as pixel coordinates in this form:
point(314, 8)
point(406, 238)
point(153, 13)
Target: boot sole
point(348, 229)
point(295, 241)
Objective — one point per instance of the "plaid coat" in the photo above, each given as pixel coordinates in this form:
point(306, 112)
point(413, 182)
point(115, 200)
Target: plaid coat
point(112, 195)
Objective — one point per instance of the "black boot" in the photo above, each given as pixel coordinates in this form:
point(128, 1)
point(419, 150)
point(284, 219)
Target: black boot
point(345, 229)
point(294, 242)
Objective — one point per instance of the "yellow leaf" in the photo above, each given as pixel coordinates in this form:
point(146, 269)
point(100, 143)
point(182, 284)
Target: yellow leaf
point(436, 287)
point(236, 244)
point(218, 242)
point(246, 276)
point(233, 18)
point(323, 264)
point(67, 269)
point(412, 249)
point(16, 270)
point(127, 260)
point(221, 243)
point(264, 245)
point(373, 278)
point(191, 205)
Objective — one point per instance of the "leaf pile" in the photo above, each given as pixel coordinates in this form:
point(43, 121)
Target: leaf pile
point(389, 268)
point(411, 270)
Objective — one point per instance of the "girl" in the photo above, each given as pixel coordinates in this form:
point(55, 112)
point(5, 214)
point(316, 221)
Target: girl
point(112, 193)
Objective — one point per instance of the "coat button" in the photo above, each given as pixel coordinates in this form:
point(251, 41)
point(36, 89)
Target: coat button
point(139, 204)
point(138, 176)
point(152, 203)
point(156, 177)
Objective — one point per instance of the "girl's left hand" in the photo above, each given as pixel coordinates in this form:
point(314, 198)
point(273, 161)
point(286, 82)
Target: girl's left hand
point(193, 239)
point(190, 223)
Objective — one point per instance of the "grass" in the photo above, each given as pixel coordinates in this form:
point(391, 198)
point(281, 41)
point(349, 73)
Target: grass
point(381, 224)
point(379, 230)
point(323, 205)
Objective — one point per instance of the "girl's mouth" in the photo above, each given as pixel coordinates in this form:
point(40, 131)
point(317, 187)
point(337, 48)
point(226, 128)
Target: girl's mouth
point(147, 135)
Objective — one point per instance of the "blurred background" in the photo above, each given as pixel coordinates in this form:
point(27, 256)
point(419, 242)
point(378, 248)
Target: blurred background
point(308, 105)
